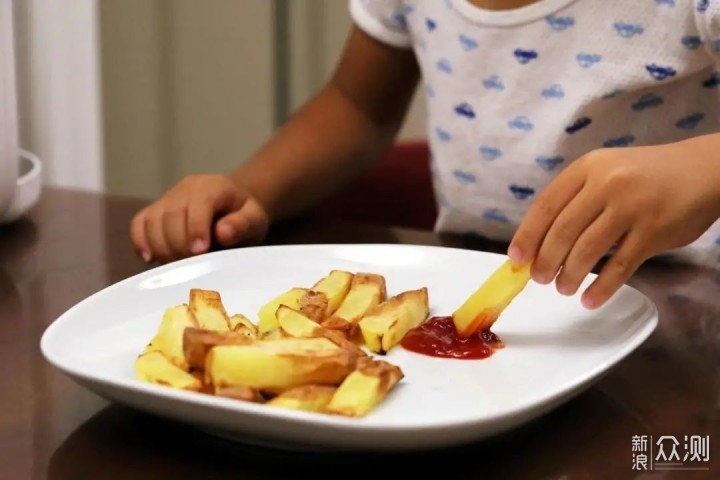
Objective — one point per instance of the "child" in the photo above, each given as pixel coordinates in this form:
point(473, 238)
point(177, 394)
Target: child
point(570, 128)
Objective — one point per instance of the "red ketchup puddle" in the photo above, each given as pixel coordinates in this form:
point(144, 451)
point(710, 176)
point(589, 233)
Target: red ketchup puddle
point(438, 337)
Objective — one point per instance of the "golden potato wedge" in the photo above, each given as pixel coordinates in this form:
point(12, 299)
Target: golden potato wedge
point(364, 389)
point(266, 314)
point(245, 394)
point(169, 338)
point(297, 325)
point(366, 291)
point(386, 324)
point(208, 309)
point(311, 398)
point(153, 346)
point(241, 324)
point(278, 365)
point(335, 287)
point(482, 309)
point(197, 342)
point(155, 368)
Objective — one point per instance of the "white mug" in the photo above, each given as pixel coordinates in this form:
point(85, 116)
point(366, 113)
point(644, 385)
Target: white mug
point(9, 137)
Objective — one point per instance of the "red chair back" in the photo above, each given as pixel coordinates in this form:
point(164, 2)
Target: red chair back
point(397, 191)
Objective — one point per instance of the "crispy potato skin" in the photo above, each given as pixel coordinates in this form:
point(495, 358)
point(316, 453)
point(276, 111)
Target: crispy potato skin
point(314, 305)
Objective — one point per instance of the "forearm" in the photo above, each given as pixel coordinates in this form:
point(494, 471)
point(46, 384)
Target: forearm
point(325, 145)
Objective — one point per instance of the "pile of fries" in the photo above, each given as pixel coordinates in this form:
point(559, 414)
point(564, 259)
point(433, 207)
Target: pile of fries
point(311, 348)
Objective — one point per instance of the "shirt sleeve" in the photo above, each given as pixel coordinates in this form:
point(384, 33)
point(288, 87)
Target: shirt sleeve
point(384, 20)
point(707, 16)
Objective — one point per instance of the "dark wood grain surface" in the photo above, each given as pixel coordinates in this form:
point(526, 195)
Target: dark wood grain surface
point(74, 244)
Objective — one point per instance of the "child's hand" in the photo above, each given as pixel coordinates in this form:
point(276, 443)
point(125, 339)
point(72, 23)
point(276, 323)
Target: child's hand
point(179, 223)
point(642, 200)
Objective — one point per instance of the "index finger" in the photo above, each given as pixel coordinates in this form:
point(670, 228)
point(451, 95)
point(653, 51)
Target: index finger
point(542, 213)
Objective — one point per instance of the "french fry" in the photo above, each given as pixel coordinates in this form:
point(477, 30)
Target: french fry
point(482, 309)
point(245, 394)
point(335, 287)
point(297, 325)
point(197, 342)
point(386, 324)
point(312, 398)
point(303, 354)
point(208, 309)
point(314, 305)
point(364, 388)
point(241, 324)
point(169, 338)
point(266, 314)
point(274, 334)
point(278, 365)
point(366, 291)
point(155, 368)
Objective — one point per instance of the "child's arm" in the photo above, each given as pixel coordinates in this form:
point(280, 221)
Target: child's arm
point(337, 135)
point(642, 200)
point(327, 143)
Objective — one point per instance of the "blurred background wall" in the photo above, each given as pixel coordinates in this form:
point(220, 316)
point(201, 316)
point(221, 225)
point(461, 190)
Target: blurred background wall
point(129, 96)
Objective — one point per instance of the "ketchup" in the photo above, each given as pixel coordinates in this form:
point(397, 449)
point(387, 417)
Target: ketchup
point(438, 337)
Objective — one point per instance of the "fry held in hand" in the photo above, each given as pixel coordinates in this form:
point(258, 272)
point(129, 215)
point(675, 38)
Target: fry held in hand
point(480, 311)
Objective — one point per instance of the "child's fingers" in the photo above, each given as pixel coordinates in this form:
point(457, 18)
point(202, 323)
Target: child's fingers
point(155, 234)
point(542, 213)
point(199, 219)
point(563, 233)
point(138, 238)
point(247, 225)
point(175, 227)
point(592, 244)
point(618, 270)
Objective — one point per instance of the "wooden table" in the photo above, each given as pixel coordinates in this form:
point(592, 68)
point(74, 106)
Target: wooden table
point(74, 244)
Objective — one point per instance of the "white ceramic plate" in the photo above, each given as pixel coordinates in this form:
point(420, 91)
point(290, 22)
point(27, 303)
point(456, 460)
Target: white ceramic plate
point(554, 347)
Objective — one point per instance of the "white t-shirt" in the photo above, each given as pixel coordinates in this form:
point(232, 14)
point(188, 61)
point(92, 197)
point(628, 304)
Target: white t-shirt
point(515, 96)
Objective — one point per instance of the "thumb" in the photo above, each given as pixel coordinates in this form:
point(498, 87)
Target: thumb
point(248, 225)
